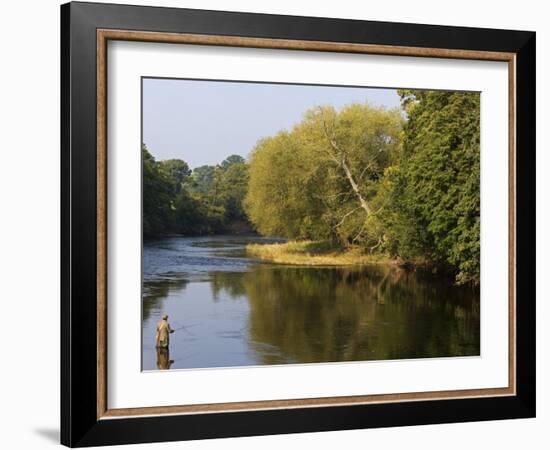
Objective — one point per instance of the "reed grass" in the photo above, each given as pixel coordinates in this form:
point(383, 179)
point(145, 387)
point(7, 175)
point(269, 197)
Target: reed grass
point(314, 253)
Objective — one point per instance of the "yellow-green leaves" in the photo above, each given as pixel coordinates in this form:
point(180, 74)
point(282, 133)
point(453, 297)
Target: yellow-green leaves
point(320, 179)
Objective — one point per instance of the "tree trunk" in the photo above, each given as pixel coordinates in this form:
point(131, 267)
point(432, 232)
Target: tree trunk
point(354, 186)
point(340, 159)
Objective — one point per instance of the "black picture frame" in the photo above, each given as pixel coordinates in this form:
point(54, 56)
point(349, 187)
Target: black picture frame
point(80, 425)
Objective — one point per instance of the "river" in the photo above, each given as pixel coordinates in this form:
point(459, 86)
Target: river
point(232, 310)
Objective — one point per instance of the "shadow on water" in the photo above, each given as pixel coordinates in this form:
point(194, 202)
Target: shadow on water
point(256, 314)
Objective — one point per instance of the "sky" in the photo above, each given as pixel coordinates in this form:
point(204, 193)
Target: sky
point(203, 122)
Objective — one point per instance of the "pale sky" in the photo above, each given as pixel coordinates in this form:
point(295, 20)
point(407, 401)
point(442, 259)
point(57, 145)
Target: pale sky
point(203, 122)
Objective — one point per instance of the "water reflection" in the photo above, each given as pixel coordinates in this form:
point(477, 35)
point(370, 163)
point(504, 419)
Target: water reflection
point(154, 293)
point(272, 314)
point(316, 315)
point(163, 358)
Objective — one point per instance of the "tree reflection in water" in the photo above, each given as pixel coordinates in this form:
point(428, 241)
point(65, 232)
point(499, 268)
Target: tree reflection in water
point(155, 292)
point(306, 315)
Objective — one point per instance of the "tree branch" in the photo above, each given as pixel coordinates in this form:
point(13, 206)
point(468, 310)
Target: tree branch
point(349, 213)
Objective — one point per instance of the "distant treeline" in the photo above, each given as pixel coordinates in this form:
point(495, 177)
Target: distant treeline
point(400, 182)
point(206, 200)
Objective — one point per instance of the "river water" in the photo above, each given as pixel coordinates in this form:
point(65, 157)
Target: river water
point(232, 310)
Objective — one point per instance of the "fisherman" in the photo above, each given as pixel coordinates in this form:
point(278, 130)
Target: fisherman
point(163, 333)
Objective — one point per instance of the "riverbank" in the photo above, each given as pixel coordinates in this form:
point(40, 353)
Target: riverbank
point(315, 253)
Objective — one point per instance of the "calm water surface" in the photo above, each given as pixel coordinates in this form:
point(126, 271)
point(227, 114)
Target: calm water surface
point(232, 310)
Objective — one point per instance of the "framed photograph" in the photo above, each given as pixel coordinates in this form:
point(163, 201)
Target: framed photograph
point(277, 224)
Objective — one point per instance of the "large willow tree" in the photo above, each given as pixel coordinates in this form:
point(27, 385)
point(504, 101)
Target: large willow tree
point(320, 180)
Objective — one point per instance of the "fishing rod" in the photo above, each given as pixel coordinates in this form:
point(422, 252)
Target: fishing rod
point(184, 329)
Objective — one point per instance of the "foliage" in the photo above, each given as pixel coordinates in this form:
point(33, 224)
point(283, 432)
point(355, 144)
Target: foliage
point(157, 196)
point(366, 177)
point(319, 181)
point(435, 211)
point(207, 199)
point(177, 171)
point(201, 179)
point(366, 180)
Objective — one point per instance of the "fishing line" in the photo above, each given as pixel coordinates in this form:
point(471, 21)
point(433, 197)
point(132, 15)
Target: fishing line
point(184, 329)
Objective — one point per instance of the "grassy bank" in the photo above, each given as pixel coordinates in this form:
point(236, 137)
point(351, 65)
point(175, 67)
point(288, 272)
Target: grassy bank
point(314, 253)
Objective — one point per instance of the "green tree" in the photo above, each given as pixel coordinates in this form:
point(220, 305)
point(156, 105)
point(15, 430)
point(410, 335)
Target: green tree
point(231, 160)
point(210, 200)
point(158, 208)
point(201, 179)
point(177, 172)
point(435, 200)
point(233, 178)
